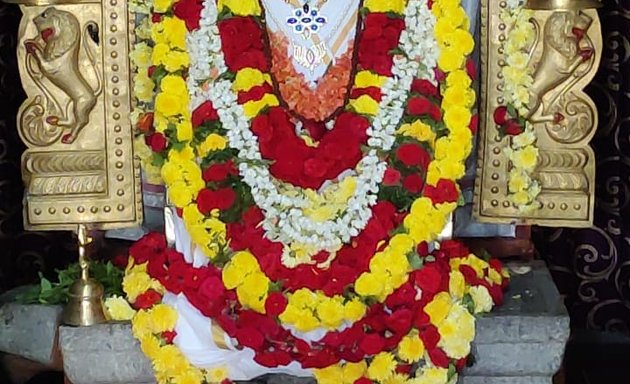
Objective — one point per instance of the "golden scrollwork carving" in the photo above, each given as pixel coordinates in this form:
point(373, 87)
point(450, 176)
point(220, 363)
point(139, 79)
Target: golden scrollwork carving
point(563, 59)
point(79, 167)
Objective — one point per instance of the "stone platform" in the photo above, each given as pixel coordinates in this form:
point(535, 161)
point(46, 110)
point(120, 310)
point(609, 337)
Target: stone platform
point(521, 342)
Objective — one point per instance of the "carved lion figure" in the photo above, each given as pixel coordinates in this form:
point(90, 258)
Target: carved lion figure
point(56, 55)
point(562, 54)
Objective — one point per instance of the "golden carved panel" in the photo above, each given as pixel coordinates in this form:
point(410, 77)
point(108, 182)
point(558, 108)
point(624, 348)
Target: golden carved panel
point(562, 60)
point(79, 167)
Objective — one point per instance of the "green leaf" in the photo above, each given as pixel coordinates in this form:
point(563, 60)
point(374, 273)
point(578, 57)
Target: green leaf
point(45, 285)
point(452, 371)
point(415, 261)
point(469, 303)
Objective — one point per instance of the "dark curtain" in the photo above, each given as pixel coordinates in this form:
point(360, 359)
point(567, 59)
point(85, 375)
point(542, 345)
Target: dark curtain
point(592, 266)
point(22, 254)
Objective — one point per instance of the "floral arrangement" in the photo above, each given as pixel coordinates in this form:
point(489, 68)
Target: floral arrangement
point(522, 152)
point(315, 257)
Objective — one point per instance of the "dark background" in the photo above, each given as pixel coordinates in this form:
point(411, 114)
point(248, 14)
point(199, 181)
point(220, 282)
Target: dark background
point(590, 266)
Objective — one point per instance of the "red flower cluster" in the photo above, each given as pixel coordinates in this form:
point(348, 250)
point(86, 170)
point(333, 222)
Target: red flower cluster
point(242, 44)
point(379, 37)
point(189, 11)
point(204, 113)
point(304, 166)
point(508, 125)
point(420, 106)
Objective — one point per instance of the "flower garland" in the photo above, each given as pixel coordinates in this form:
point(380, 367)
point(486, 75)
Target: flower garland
point(522, 152)
point(285, 219)
point(143, 90)
point(435, 329)
point(385, 307)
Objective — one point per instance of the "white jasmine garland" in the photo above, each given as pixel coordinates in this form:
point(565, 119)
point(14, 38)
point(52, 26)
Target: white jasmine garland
point(284, 218)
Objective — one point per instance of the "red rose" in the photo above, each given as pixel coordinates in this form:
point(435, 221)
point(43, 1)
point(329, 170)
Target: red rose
point(363, 380)
point(512, 127)
point(413, 155)
point(444, 192)
point(454, 248)
point(391, 177)
point(212, 288)
point(255, 93)
point(147, 300)
point(429, 278)
point(250, 337)
point(221, 199)
point(399, 321)
point(469, 274)
point(430, 336)
point(189, 11)
point(169, 336)
point(501, 115)
point(424, 87)
point(420, 105)
point(461, 364)
point(374, 92)
point(402, 296)
point(273, 359)
point(315, 167)
point(157, 142)
point(242, 43)
point(439, 357)
point(413, 183)
point(404, 369)
point(440, 76)
point(275, 304)
point(120, 261)
point(474, 124)
point(372, 344)
point(219, 172)
point(147, 247)
point(145, 123)
point(471, 68)
point(204, 112)
point(423, 249)
point(156, 18)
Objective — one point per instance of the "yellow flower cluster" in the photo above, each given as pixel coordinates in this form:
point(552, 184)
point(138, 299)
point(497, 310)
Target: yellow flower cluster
point(346, 373)
point(137, 281)
point(248, 78)
point(180, 172)
point(451, 33)
point(252, 285)
point(384, 6)
point(143, 90)
point(169, 36)
point(308, 310)
point(418, 131)
point(455, 42)
point(411, 348)
point(389, 268)
point(118, 309)
point(241, 7)
point(169, 364)
point(517, 79)
point(425, 220)
point(334, 199)
point(455, 324)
